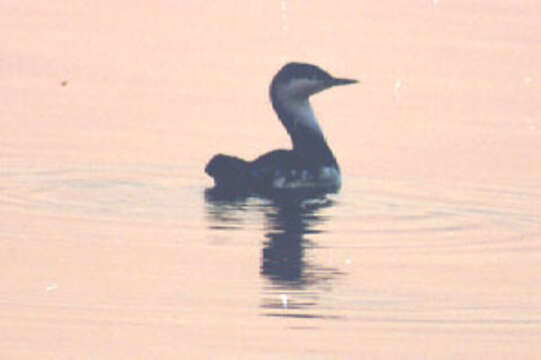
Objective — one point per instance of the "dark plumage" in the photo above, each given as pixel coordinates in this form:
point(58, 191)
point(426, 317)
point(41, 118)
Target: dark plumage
point(310, 164)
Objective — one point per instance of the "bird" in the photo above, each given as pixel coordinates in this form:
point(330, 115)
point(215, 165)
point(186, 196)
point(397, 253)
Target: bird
point(310, 164)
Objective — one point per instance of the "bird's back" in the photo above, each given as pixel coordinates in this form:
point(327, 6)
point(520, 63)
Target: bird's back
point(228, 171)
point(274, 171)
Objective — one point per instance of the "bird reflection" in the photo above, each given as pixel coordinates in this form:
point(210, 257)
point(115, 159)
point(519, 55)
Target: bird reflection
point(284, 262)
point(283, 259)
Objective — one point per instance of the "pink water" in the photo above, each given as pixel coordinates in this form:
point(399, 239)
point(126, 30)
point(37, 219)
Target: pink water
point(111, 250)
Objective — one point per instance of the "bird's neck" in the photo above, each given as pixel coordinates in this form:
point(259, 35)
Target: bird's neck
point(300, 122)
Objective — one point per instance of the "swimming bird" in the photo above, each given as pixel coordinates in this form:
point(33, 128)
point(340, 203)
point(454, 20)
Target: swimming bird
point(310, 165)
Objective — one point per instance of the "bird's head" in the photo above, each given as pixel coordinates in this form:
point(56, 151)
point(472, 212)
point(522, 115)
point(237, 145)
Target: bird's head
point(299, 81)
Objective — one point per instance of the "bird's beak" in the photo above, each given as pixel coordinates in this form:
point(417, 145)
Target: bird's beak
point(338, 81)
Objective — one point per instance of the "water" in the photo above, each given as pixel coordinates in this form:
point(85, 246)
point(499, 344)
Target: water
point(113, 247)
point(126, 253)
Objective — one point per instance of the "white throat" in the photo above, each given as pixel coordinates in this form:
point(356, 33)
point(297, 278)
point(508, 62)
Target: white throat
point(291, 102)
point(300, 113)
point(293, 97)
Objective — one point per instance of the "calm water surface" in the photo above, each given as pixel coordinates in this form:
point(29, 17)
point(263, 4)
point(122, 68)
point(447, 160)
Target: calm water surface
point(144, 251)
point(113, 248)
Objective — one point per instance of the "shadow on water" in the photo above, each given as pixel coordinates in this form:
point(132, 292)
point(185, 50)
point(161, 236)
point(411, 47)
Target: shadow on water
point(295, 280)
point(284, 261)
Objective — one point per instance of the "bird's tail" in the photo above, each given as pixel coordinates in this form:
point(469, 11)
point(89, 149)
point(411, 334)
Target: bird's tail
point(228, 171)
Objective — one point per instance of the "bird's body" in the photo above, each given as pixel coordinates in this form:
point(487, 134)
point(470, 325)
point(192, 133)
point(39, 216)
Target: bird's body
point(310, 165)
